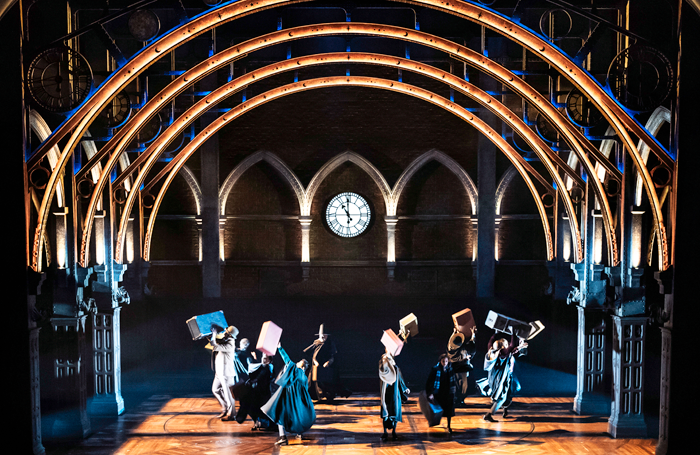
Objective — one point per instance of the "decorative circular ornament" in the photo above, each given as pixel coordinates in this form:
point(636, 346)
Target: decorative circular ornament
point(640, 77)
point(556, 23)
point(581, 111)
point(348, 214)
point(545, 130)
point(144, 25)
point(116, 113)
point(59, 79)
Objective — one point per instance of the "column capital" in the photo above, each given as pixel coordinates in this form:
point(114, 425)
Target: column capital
point(665, 280)
point(391, 220)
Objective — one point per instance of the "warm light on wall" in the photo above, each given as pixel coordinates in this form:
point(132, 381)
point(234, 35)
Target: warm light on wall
point(305, 228)
point(100, 238)
point(636, 240)
point(130, 242)
point(597, 237)
point(391, 238)
point(566, 244)
point(61, 239)
point(199, 238)
point(222, 225)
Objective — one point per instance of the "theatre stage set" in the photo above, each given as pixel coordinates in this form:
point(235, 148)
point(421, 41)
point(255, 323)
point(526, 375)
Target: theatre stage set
point(349, 163)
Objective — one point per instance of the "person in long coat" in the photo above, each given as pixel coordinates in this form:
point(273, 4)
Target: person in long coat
point(324, 376)
point(392, 392)
point(499, 362)
point(441, 387)
point(254, 392)
point(223, 346)
point(290, 407)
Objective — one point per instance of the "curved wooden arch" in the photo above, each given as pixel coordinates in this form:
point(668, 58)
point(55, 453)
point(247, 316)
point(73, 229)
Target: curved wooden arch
point(368, 82)
point(251, 160)
point(230, 54)
point(463, 86)
point(449, 163)
point(615, 114)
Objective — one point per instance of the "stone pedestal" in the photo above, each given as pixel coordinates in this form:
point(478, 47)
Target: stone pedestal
point(106, 345)
point(592, 392)
point(65, 393)
point(627, 413)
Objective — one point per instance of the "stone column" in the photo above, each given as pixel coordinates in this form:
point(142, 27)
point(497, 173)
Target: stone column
point(592, 393)
point(627, 414)
point(305, 246)
point(391, 245)
point(106, 345)
point(486, 231)
point(209, 158)
point(665, 280)
point(66, 396)
point(32, 372)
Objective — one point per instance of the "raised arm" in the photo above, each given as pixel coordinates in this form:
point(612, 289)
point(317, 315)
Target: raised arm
point(491, 340)
point(284, 355)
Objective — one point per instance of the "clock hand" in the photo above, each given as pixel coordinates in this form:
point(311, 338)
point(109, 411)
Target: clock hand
point(347, 213)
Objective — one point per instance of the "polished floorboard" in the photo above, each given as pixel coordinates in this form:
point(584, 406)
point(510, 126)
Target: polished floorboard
point(167, 425)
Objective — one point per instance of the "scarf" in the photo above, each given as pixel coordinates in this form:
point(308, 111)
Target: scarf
point(453, 384)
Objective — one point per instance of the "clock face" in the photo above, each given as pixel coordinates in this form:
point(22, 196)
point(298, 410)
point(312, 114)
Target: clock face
point(348, 214)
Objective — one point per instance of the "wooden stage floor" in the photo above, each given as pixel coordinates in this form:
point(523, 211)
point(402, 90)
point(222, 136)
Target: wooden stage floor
point(165, 425)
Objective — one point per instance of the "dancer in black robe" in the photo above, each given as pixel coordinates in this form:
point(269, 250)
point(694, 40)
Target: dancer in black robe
point(253, 393)
point(441, 388)
point(324, 376)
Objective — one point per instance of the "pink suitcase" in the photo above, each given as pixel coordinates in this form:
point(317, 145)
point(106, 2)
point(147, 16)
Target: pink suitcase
point(269, 338)
point(392, 342)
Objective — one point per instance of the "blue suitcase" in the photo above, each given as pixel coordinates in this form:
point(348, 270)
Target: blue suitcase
point(201, 326)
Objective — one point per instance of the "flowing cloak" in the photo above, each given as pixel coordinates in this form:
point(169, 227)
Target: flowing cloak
point(324, 382)
point(392, 390)
point(500, 373)
point(291, 405)
point(254, 392)
point(443, 388)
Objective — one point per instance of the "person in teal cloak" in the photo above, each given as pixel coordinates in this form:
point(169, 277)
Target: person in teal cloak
point(290, 407)
point(499, 362)
point(392, 392)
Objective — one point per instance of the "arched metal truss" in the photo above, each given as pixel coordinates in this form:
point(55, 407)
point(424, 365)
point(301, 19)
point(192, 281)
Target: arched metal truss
point(465, 87)
point(230, 88)
point(310, 84)
point(614, 113)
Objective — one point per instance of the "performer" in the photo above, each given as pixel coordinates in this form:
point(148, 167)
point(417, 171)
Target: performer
point(324, 377)
point(499, 362)
point(244, 358)
point(254, 393)
point(290, 407)
point(223, 346)
point(393, 391)
point(460, 354)
point(441, 388)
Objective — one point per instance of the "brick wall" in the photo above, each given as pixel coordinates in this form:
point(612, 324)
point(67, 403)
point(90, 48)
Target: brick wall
point(262, 241)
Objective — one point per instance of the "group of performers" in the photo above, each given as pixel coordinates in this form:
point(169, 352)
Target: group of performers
point(287, 400)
